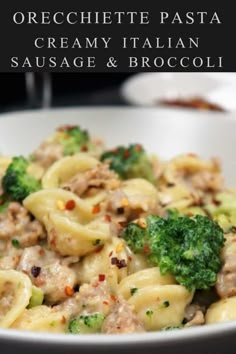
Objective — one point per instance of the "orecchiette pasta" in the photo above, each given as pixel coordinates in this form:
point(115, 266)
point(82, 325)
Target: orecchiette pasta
point(140, 193)
point(189, 164)
point(142, 279)
point(101, 263)
point(15, 293)
point(67, 167)
point(42, 318)
point(222, 311)
point(160, 306)
point(47, 201)
point(71, 238)
point(4, 163)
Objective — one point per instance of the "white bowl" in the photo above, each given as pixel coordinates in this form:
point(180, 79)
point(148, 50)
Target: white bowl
point(166, 132)
point(148, 89)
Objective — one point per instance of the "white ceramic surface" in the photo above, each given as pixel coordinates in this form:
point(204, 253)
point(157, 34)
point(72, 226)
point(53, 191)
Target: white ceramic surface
point(148, 89)
point(166, 132)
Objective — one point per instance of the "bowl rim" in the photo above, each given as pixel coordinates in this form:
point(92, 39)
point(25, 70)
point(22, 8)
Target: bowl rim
point(231, 115)
point(97, 340)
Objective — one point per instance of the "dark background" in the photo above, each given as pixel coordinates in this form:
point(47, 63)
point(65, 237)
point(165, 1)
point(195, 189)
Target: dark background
point(68, 89)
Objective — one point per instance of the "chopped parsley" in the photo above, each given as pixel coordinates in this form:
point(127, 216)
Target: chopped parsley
point(149, 313)
point(133, 291)
point(15, 243)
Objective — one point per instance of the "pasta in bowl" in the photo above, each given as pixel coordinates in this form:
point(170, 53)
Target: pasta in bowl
point(112, 239)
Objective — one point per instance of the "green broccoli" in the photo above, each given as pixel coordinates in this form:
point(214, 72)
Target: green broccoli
point(4, 206)
point(130, 162)
point(73, 139)
point(36, 297)
point(223, 210)
point(17, 184)
point(187, 247)
point(86, 324)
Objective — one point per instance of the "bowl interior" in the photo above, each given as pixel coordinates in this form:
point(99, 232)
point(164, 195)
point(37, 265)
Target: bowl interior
point(164, 132)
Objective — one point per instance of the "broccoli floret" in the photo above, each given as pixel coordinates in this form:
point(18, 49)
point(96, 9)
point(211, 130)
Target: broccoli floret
point(135, 237)
point(130, 162)
point(224, 210)
point(36, 297)
point(16, 182)
point(73, 139)
point(86, 324)
point(187, 247)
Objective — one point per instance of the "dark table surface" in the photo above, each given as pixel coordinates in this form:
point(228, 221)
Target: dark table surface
point(67, 90)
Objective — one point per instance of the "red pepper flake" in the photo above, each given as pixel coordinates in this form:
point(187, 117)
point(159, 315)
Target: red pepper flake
point(233, 229)
point(113, 298)
point(120, 263)
point(63, 320)
point(53, 242)
point(95, 285)
point(105, 303)
point(146, 248)
point(122, 224)
point(41, 252)
point(169, 184)
point(126, 154)
point(99, 249)
point(138, 148)
point(114, 260)
point(70, 205)
point(96, 209)
point(107, 218)
point(129, 258)
point(35, 271)
point(101, 277)
point(66, 128)
point(84, 148)
point(115, 151)
point(110, 254)
point(197, 201)
point(53, 236)
point(216, 202)
point(69, 290)
point(120, 210)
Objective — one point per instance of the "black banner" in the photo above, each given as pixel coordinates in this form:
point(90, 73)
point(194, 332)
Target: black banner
point(124, 36)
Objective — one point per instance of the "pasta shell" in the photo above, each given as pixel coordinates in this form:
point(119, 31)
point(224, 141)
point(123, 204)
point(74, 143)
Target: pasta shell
point(70, 238)
point(160, 306)
point(43, 202)
point(143, 278)
point(4, 163)
point(67, 167)
point(101, 263)
point(42, 319)
point(15, 293)
point(222, 311)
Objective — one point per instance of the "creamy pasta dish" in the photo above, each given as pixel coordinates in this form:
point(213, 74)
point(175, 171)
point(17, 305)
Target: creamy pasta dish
point(97, 240)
